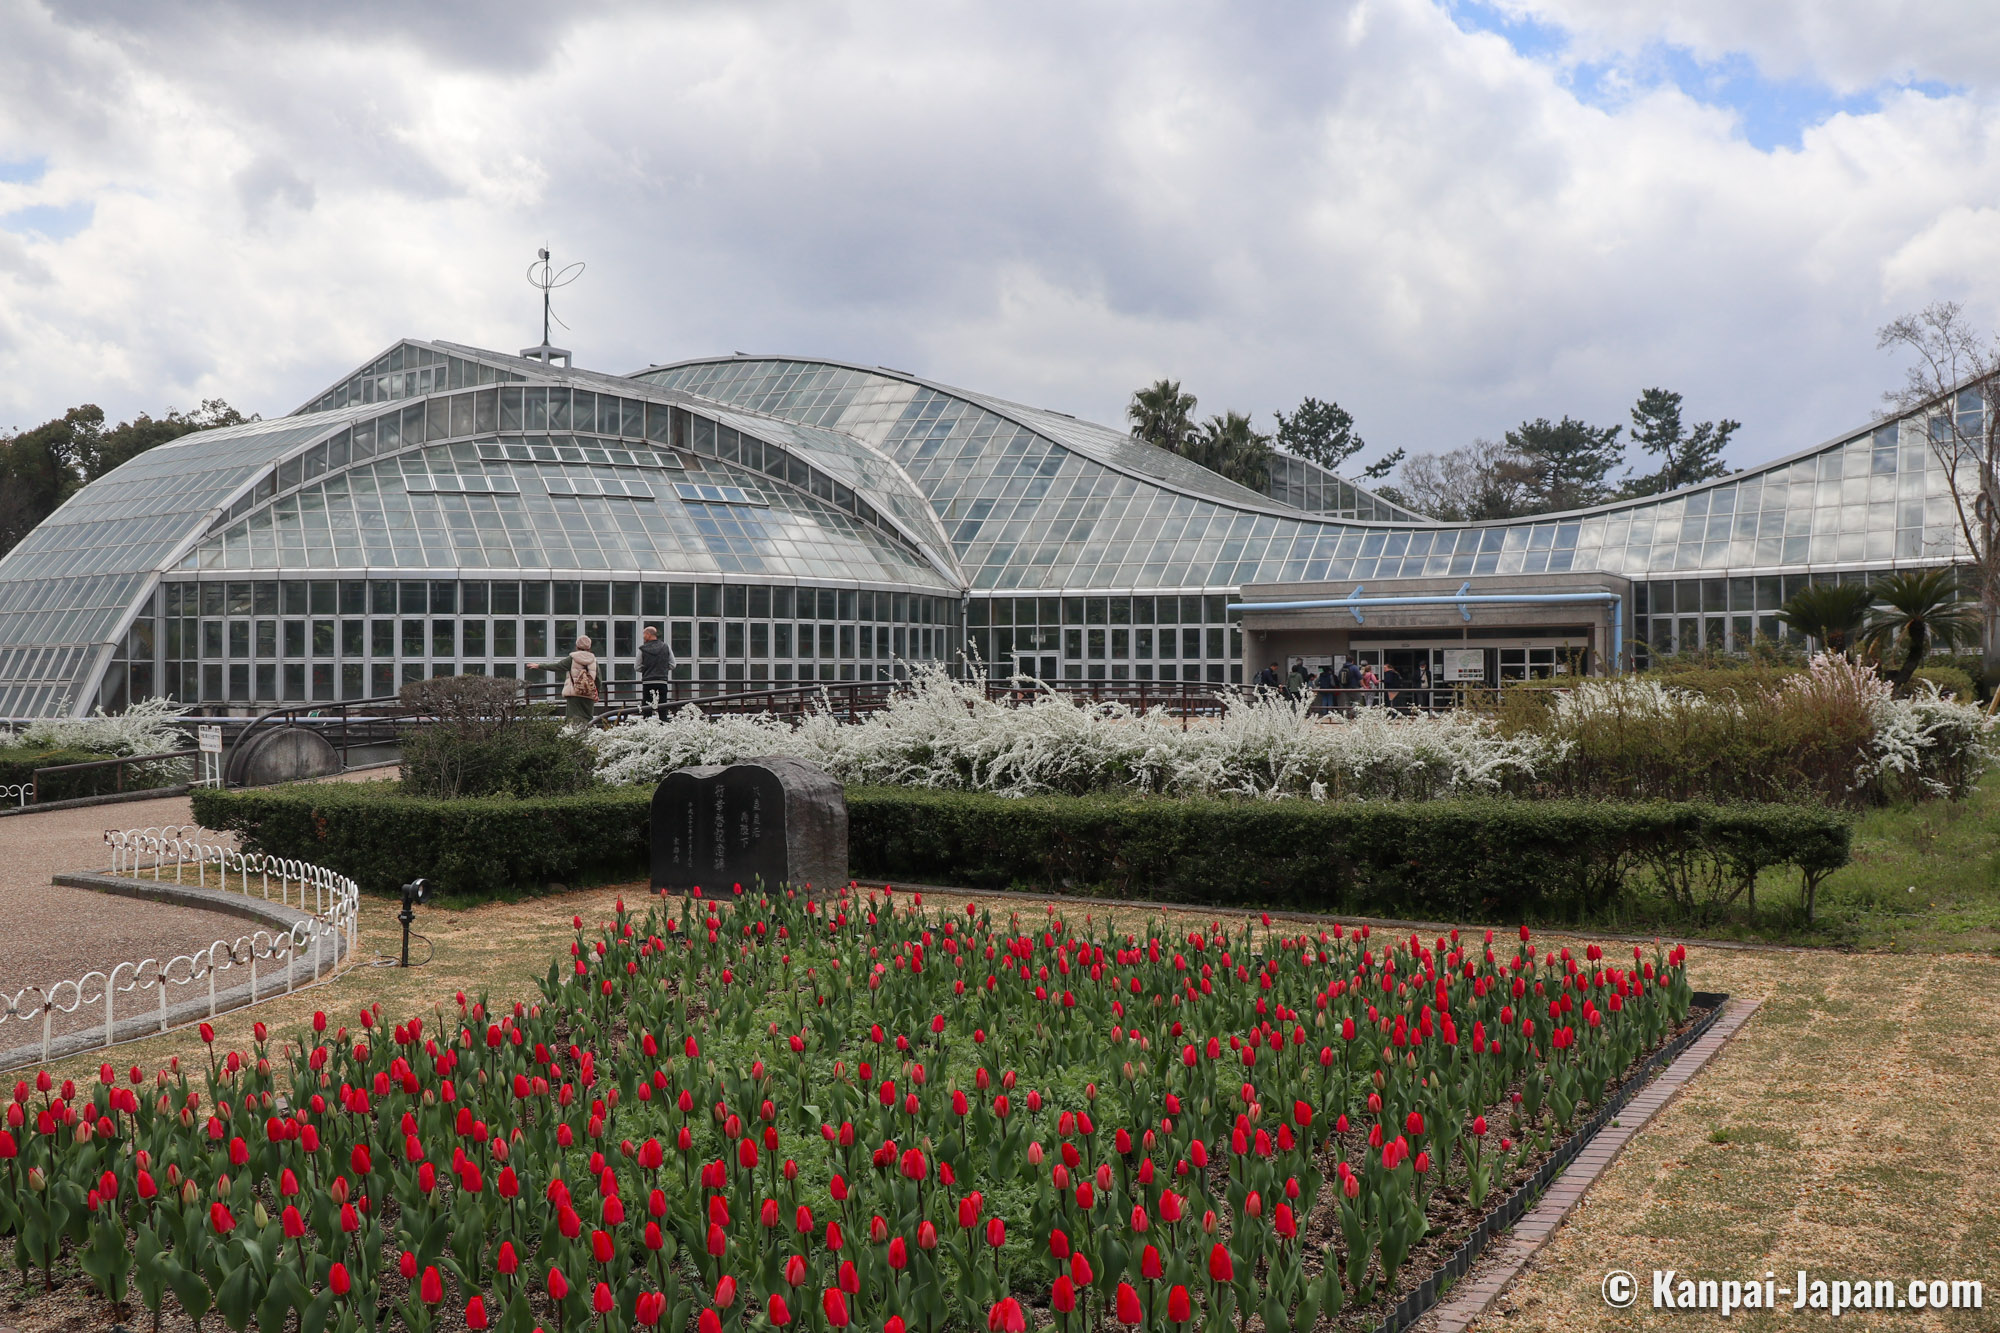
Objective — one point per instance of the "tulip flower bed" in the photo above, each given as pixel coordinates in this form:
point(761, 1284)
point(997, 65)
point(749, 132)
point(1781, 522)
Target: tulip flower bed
point(848, 1113)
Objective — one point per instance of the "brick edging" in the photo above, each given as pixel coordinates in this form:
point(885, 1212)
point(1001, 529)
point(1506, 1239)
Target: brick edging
point(1506, 1258)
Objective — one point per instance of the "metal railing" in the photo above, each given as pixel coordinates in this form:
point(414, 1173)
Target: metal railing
point(18, 792)
point(357, 723)
point(328, 932)
point(118, 767)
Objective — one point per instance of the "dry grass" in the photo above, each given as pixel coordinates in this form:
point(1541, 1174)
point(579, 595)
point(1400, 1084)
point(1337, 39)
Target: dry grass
point(1848, 1129)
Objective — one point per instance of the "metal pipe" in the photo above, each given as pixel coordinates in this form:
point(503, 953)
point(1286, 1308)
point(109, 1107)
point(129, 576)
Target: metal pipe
point(1355, 602)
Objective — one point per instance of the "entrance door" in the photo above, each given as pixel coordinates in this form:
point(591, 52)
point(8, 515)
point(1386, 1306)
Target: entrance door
point(1413, 670)
point(1037, 668)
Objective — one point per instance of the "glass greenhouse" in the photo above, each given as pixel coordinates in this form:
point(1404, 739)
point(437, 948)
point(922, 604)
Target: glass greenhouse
point(447, 509)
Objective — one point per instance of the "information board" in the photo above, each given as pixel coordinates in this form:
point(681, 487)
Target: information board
point(1464, 666)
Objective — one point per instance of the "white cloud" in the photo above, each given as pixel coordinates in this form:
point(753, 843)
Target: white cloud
point(1050, 202)
point(1850, 45)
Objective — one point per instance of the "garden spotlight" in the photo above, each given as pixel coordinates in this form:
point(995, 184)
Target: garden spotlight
point(416, 891)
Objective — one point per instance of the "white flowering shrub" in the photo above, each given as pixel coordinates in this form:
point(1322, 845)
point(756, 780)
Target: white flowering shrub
point(1834, 732)
point(149, 727)
point(945, 733)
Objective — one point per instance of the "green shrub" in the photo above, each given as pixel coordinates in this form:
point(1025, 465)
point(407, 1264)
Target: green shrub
point(1488, 858)
point(1493, 858)
point(19, 762)
point(484, 743)
point(478, 847)
point(1972, 664)
point(1951, 680)
point(529, 757)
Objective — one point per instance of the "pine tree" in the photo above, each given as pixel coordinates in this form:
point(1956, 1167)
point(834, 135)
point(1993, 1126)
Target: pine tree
point(1563, 464)
point(1686, 456)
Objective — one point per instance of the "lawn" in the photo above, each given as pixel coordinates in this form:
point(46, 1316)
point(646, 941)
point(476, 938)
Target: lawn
point(1923, 879)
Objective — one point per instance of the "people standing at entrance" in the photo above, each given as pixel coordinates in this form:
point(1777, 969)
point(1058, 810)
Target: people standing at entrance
point(1424, 683)
point(1323, 699)
point(1298, 680)
point(1392, 686)
point(1268, 678)
point(579, 691)
point(1371, 685)
point(1350, 685)
point(656, 674)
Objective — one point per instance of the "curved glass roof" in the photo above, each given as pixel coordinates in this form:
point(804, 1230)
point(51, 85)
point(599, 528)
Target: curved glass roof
point(1038, 500)
point(68, 589)
point(583, 505)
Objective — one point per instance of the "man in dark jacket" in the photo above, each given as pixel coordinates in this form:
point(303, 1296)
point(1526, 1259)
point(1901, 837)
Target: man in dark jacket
point(656, 673)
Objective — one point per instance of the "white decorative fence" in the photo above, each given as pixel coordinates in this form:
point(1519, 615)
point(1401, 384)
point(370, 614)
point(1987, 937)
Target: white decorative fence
point(325, 938)
point(20, 793)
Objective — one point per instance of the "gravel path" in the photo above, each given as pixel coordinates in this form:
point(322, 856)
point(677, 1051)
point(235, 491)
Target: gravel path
point(52, 934)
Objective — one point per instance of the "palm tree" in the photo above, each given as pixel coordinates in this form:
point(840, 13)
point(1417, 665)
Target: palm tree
point(1229, 444)
point(1829, 612)
point(1917, 608)
point(1161, 414)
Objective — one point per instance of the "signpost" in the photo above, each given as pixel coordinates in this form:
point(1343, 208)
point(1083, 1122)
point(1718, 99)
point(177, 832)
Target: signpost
point(208, 739)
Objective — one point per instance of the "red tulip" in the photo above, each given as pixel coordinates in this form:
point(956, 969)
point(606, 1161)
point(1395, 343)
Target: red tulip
point(710, 1322)
point(1006, 1317)
point(1221, 1268)
point(220, 1218)
point(1128, 1305)
point(725, 1292)
point(1063, 1297)
point(899, 1254)
point(432, 1289)
point(1179, 1308)
point(779, 1313)
point(996, 1232)
point(295, 1225)
point(834, 1303)
point(475, 1313)
point(336, 1279)
point(601, 1300)
point(558, 1284)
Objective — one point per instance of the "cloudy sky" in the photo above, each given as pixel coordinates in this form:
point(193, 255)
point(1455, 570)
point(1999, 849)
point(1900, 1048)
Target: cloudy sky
point(1446, 214)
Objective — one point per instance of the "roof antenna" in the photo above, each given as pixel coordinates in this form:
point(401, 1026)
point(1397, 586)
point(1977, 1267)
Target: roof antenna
point(546, 277)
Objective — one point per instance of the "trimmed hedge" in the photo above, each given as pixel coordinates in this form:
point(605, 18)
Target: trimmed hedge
point(1482, 859)
point(19, 762)
point(470, 848)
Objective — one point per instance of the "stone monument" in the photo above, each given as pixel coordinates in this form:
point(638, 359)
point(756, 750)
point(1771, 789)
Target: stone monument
point(775, 819)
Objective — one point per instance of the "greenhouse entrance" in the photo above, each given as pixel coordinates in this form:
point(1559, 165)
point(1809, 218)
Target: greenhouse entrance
point(1455, 632)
